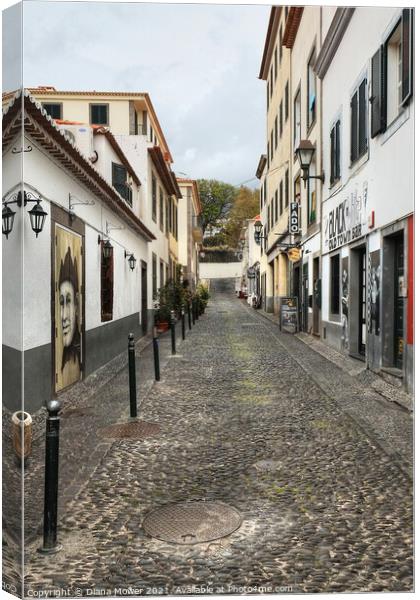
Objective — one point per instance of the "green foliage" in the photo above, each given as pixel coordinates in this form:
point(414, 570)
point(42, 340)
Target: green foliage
point(170, 296)
point(202, 295)
point(246, 206)
point(216, 199)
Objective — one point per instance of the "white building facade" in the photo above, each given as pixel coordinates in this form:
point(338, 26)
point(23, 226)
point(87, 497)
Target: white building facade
point(365, 65)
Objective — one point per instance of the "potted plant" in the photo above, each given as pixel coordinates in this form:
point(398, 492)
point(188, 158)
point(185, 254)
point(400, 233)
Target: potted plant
point(162, 309)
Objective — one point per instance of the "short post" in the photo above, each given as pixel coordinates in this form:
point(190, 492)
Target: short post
point(132, 375)
point(183, 322)
point(52, 437)
point(197, 312)
point(189, 314)
point(156, 354)
point(193, 310)
point(173, 332)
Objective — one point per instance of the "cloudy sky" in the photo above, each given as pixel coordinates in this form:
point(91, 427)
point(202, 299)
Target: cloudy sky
point(200, 64)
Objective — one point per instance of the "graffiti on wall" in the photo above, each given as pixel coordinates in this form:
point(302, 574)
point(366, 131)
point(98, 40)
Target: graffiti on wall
point(345, 303)
point(375, 292)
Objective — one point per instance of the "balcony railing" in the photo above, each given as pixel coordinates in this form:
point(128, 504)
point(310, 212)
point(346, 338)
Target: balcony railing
point(125, 191)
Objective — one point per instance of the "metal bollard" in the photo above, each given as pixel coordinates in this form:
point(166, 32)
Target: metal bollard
point(132, 375)
point(52, 437)
point(197, 312)
point(156, 354)
point(183, 322)
point(173, 332)
point(189, 315)
point(193, 311)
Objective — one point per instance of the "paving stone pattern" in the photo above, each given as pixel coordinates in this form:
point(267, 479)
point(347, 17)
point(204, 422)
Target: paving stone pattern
point(324, 507)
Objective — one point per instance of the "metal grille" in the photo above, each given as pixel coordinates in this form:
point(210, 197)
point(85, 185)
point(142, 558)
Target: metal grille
point(134, 430)
point(192, 522)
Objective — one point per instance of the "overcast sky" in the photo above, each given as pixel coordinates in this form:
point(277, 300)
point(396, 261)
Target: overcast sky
point(199, 63)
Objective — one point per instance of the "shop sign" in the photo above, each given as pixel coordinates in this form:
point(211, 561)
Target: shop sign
point(294, 218)
point(347, 221)
point(289, 315)
point(293, 254)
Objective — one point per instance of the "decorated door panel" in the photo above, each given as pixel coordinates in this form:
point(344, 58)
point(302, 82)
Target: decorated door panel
point(68, 306)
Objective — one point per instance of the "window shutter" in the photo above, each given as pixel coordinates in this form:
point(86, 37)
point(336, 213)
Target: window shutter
point(332, 155)
point(281, 197)
point(353, 141)
point(286, 189)
point(337, 151)
point(144, 123)
point(377, 99)
point(362, 118)
point(407, 55)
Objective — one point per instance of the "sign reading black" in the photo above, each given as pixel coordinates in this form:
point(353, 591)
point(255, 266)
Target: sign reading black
point(289, 315)
point(294, 218)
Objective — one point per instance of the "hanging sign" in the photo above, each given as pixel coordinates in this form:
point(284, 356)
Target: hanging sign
point(289, 315)
point(294, 218)
point(294, 254)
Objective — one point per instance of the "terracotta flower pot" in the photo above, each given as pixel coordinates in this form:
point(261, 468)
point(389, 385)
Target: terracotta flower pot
point(162, 326)
point(22, 434)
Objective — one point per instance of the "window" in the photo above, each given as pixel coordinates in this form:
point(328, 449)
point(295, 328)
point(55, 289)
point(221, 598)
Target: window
point(154, 199)
point(271, 81)
point(151, 134)
point(297, 189)
point(265, 191)
point(286, 102)
point(275, 64)
point(281, 197)
point(335, 284)
point(271, 145)
point(268, 216)
point(161, 215)
point(162, 274)
point(286, 189)
point(268, 154)
point(276, 137)
point(391, 75)
point(358, 109)
point(55, 110)
point(281, 118)
point(154, 274)
point(99, 114)
point(176, 219)
point(170, 213)
point(276, 207)
point(297, 118)
point(272, 213)
point(119, 182)
point(335, 153)
point(311, 106)
point(107, 285)
point(280, 43)
point(167, 215)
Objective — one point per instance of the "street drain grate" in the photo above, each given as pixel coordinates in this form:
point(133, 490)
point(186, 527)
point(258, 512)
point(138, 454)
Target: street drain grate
point(131, 431)
point(192, 522)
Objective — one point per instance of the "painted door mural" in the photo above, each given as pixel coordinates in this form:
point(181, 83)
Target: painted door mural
point(68, 304)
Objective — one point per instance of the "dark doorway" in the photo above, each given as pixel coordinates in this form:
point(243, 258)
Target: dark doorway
point(316, 298)
point(296, 290)
point(362, 302)
point(399, 303)
point(144, 297)
point(305, 284)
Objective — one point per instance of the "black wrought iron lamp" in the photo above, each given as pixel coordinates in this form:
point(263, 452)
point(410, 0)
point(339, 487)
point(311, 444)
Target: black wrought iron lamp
point(258, 235)
point(131, 259)
point(107, 247)
point(305, 152)
point(37, 214)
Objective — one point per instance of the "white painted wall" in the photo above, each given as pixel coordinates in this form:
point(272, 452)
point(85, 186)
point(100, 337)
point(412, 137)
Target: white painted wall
point(220, 270)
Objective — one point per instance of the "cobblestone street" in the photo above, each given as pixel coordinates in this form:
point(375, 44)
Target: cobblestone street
point(326, 499)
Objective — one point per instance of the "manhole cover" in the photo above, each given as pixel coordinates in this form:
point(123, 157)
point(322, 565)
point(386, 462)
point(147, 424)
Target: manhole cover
point(192, 522)
point(134, 430)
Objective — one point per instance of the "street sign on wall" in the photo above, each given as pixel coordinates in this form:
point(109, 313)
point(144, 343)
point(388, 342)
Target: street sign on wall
point(289, 314)
point(294, 218)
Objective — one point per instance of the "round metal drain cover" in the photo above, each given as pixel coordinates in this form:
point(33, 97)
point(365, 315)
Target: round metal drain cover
point(192, 522)
point(133, 430)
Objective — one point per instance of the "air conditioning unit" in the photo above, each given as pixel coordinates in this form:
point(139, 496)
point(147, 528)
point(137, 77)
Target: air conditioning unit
point(81, 136)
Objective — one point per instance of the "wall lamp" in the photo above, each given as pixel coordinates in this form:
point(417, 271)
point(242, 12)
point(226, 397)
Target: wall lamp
point(107, 247)
point(305, 152)
point(258, 235)
point(37, 214)
point(131, 259)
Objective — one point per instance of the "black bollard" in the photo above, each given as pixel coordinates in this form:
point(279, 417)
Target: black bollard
point(197, 311)
point(193, 311)
point(132, 375)
point(183, 322)
point(52, 437)
point(189, 315)
point(173, 332)
point(156, 354)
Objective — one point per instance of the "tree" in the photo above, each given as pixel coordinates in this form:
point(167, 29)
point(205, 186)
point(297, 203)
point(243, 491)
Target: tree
point(216, 199)
point(245, 206)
